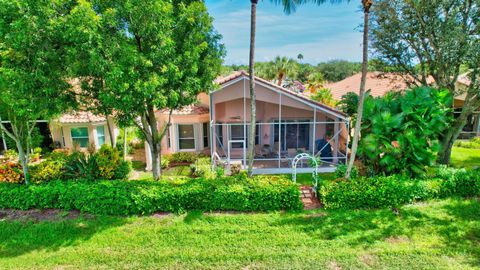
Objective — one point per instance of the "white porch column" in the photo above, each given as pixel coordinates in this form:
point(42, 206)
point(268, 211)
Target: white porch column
point(148, 157)
point(279, 130)
point(314, 131)
point(213, 134)
point(335, 147)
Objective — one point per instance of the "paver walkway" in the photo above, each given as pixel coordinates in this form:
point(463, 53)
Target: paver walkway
point(309, 200)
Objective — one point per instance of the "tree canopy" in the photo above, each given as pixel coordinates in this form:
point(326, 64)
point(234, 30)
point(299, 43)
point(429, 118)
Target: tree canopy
point(33, 72)
point(151, 55)
point(432, 39)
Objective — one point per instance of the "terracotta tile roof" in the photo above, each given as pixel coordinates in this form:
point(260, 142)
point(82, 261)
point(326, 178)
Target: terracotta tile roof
point(241, 73)
point(80, 117)
point(189, 110)
point(378, 83)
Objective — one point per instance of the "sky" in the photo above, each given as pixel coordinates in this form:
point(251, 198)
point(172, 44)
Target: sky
point(320, 33)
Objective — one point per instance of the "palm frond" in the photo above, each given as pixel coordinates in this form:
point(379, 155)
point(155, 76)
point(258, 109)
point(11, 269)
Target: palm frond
point(290, 6)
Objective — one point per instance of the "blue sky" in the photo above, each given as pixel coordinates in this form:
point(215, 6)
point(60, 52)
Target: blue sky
point(320, 33)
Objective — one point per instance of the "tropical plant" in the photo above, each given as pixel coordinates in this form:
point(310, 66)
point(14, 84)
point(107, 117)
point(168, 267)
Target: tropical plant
point(366, 4)
point(323, 96)
point(433, 39)
point(283, 67)
point(401, 130)
point(349, 104)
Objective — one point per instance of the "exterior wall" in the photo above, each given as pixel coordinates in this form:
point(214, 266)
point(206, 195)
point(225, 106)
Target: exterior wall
point(61, 133)
point(195, 120)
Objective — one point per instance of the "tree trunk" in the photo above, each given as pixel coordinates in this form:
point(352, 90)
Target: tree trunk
point(358, 124)
point(125, 144)
point(453, 132)
point(23, 157)
point(253, 113)
point(156, 168)
point(280, 79)
point(112, 135)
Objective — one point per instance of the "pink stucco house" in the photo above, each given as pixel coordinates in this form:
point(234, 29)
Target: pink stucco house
point(287, 124)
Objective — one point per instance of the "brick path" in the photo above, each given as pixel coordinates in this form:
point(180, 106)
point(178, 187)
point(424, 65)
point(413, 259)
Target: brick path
point(309, 200)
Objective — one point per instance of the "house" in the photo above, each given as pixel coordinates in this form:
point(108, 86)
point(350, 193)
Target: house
point(74, 130)
point(380, 83)
point(81, 130)
point(287, 124)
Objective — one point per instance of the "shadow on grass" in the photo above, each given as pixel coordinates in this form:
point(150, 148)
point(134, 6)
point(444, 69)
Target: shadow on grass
point(20, 237)
point(457, 223)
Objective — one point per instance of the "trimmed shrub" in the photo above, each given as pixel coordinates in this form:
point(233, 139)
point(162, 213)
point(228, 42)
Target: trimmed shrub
point(342, 170)
point(47, 170)
point(458, 182)
point(472, 144)
point(183, 157)
point(395, 190)
point(146, 197)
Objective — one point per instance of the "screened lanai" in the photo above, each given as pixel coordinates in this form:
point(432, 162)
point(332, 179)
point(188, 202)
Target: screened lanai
point(287, 124)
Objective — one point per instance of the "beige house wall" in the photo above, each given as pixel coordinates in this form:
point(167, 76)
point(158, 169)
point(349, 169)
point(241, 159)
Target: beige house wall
point(61, 133)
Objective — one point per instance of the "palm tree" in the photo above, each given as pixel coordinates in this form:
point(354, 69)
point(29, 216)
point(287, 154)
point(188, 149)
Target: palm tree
point(251, 72)
point(367, 4)
point(289, 7)
point(300, 57)
point(283, 67)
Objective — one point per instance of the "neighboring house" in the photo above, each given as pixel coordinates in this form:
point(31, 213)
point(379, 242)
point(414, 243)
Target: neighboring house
point(82, 130)
point(380, 83)
point(287, 124)
point(76, 130)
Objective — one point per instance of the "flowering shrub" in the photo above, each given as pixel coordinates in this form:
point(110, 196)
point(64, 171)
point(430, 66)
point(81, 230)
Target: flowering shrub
point(11, 172)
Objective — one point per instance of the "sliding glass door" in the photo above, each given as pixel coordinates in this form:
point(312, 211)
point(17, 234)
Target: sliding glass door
point(295, 134)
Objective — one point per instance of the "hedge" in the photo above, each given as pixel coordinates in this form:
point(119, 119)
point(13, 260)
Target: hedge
point(147, 197)
point(392, 191)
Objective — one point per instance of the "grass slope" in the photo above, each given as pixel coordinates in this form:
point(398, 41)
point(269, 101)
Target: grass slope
point(465, 157)
point(435, 235)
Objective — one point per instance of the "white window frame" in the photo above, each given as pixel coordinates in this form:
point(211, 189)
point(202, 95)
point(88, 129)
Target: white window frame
point(194, 138)
point(73, 138)
point(97, 136)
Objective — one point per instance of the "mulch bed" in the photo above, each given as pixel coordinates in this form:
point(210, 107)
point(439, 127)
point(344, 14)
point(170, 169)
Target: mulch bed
point(40, 215)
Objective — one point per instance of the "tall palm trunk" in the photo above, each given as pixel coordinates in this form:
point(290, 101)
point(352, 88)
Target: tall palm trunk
point(280, 79)
point(251, 71)
point(358, 125)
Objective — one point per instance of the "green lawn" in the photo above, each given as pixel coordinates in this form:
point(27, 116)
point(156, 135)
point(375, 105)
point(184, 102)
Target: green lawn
point(435, 235)
point(464, 157)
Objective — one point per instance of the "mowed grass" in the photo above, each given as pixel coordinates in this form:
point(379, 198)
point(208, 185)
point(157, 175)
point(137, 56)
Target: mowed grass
point(465, 157)
point(435, 235)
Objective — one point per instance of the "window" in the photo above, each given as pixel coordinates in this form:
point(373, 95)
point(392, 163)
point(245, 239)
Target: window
point(205, 135)
point(169, 143)
point(186, 137)
point(80, 136)
point(101, 135)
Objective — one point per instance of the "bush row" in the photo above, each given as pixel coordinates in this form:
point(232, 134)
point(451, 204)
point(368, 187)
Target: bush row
point(392, 191)
point(146, 197)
